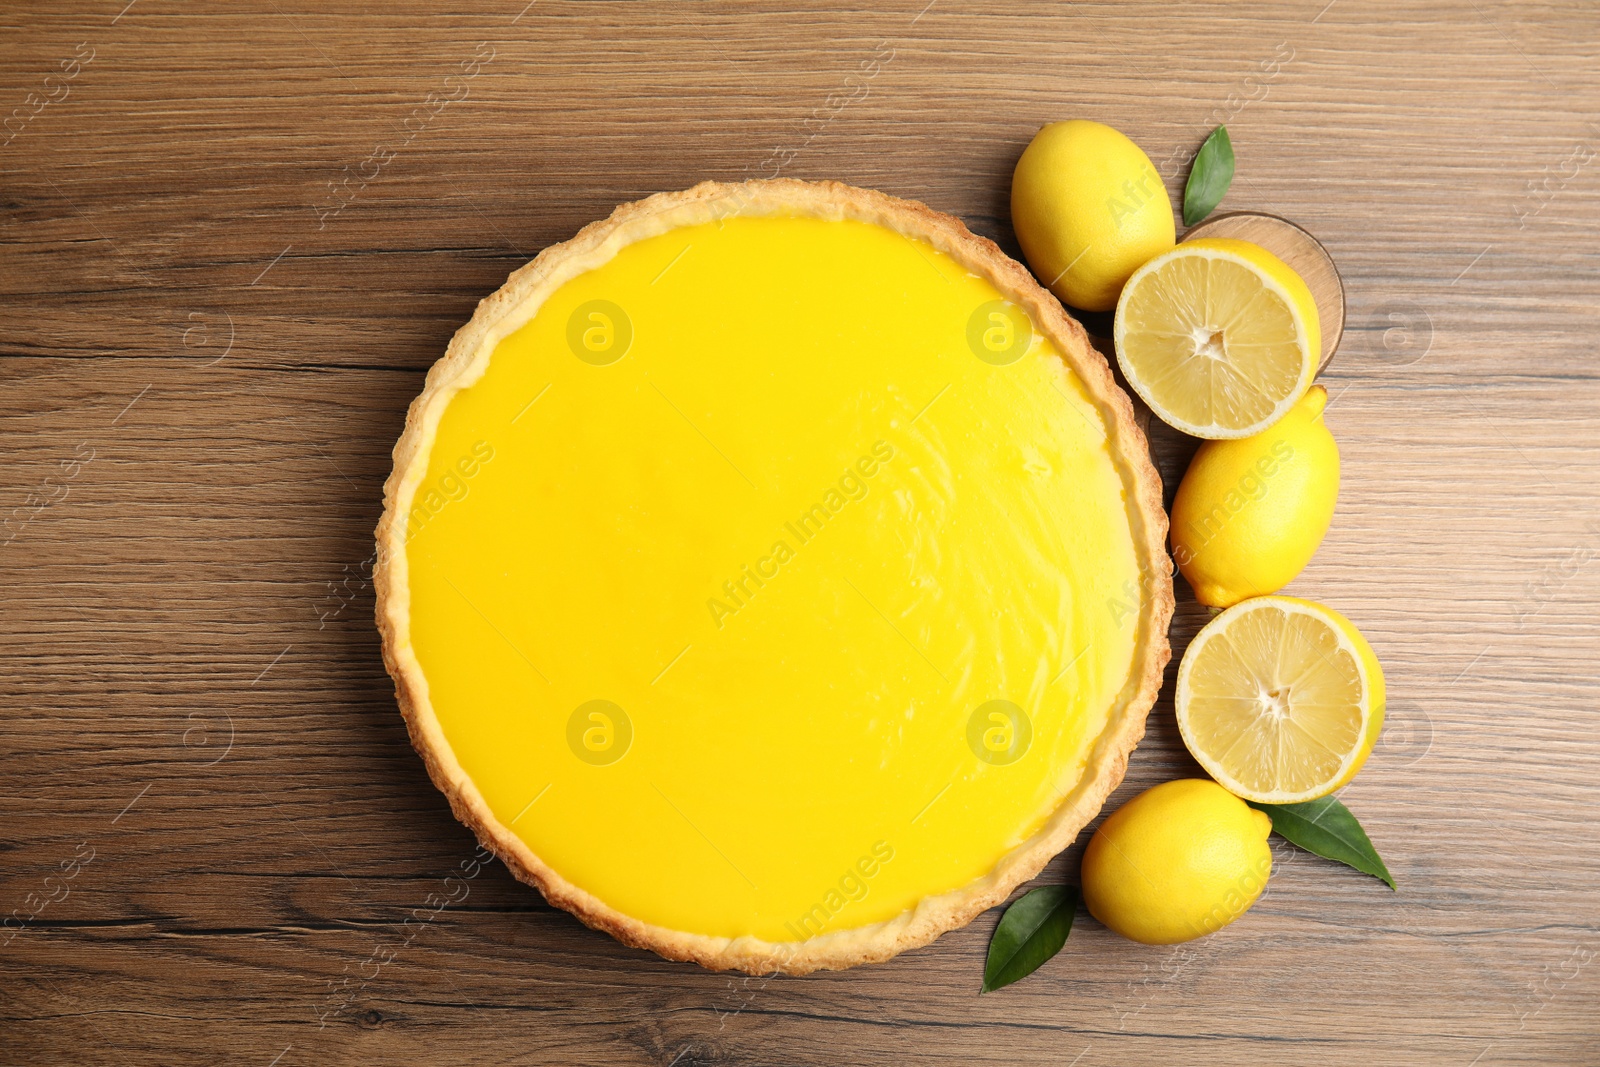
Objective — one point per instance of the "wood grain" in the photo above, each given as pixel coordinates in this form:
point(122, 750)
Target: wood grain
point(234, 238)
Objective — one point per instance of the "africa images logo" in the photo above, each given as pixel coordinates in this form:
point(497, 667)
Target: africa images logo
point(850, 487)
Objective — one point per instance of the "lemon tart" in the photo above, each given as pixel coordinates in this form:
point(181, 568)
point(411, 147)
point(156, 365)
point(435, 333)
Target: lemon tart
point(773, 575)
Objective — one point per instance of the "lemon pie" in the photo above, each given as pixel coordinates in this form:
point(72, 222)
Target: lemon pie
point(773, 575)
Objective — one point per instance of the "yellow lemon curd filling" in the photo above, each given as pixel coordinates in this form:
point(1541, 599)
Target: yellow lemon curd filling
point(775, 576)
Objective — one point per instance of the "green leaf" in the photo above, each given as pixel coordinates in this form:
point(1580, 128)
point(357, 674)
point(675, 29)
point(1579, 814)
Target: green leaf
point(1030, 932)
point(1326, 827)
point(1209, 178)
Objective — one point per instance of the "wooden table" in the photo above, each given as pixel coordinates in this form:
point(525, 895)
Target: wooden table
point(236, 236)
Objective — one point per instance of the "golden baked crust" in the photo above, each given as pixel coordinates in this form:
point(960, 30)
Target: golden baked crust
point(515, 303)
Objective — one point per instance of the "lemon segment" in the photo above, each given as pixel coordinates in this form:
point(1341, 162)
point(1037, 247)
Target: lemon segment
point(1280, 699)
point(1218, 336)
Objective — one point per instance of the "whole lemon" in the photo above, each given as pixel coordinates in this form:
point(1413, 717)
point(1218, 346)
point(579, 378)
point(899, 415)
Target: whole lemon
point(1089, 210)
point(1251, 512)
point(1177, 862)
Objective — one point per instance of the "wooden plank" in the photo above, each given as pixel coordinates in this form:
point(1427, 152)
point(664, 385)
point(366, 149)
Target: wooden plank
point(216, 308)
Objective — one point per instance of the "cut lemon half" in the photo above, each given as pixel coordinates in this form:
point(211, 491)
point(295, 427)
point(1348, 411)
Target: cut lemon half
point(1220, 337)
point(1280, 699)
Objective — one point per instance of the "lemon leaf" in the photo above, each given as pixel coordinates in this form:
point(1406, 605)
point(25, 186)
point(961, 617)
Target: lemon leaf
point(1209, 178)
point(1030, 932)
point(1326, 828)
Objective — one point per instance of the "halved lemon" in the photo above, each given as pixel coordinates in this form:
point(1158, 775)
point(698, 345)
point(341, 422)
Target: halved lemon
point(1280, 699)
point(1220, 337)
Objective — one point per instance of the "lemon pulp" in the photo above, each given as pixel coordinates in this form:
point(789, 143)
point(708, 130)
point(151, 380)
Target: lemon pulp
point(754, 600)
point(1218, 337)
point(1280, 699)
